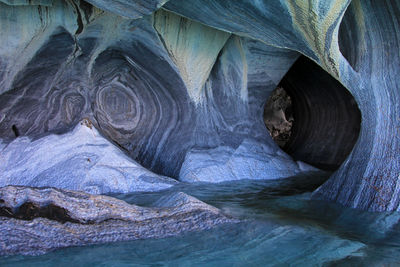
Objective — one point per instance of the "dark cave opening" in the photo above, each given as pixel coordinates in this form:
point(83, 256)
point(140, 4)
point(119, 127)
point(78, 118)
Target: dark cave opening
point(312, 117)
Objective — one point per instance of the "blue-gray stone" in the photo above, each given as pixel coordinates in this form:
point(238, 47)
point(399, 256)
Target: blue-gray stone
point(363, 56)
point(132, 9)
point(118, 66)
point(28, 2)
point(78, 160)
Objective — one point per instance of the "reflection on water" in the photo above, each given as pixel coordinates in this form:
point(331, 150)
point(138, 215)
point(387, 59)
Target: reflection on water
point(281, 225)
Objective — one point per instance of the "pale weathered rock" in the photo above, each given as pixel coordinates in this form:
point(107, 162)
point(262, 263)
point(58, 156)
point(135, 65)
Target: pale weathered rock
point(79, 160)
point(38, 220)
point(250, 159)
point(193, 47)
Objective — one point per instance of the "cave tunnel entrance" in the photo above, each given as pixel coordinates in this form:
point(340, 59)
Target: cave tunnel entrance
point(312, 117)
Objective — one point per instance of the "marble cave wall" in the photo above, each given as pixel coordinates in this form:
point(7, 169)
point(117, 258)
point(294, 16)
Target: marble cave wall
point(179, 87)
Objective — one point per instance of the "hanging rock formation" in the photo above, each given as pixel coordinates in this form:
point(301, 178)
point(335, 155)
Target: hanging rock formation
point(166, 80)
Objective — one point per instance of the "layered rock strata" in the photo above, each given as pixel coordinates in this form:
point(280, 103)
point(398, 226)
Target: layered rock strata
point(357, 43)
point(34, 221)
point(155, 98)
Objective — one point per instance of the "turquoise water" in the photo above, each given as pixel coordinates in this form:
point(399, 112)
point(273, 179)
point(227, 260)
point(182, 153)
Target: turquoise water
point(281, 226)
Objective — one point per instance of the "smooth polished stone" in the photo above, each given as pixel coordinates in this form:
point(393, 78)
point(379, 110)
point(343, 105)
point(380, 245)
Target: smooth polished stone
point(79, 160)
point(251, 160)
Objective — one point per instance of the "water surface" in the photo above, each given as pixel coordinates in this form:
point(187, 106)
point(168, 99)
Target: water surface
point(281, 226)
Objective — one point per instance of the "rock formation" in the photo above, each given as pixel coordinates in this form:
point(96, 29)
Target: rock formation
point(278, 116)
point(34, 221)
point(251, 160)
point(349, 42)
point(78, 160)
point(169, 80)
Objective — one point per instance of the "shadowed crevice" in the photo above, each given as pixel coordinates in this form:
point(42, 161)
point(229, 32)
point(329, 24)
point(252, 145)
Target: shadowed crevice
point(351, 43)
point(326, 121)
point(29, 211)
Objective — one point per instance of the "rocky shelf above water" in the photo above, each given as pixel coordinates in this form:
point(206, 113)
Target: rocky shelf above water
point(34, 221)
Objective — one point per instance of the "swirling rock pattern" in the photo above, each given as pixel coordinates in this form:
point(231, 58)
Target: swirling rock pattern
point(123, 79)
point(70, 60)
point(369, 178)
point(35, 221)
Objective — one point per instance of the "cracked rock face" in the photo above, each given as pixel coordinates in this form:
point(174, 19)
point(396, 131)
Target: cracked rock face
point(164, 80)
point(35, 221)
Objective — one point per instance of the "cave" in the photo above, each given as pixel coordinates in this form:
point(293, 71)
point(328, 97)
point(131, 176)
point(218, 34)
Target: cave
point(199, 132)
point(312, 117)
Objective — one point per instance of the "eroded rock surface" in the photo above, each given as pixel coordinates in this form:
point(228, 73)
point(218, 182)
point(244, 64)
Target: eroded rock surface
point(119, 66)
point(34, 221)
point(155, 97)
point(278, 116)
point(79, 160)
point(250, 159)
point(128, 8)
point(354, 41)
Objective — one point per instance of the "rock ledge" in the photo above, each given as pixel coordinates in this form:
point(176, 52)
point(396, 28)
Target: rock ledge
point(36, 220)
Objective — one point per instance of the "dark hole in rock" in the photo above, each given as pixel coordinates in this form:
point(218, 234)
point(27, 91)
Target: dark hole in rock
point(30, 211)
point(312, 116)
point(15, 130)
